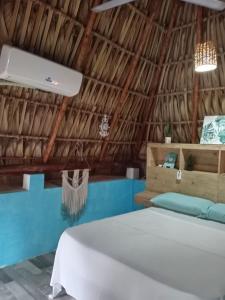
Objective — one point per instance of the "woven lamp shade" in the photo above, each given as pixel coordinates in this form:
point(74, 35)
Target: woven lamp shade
point(205, 57)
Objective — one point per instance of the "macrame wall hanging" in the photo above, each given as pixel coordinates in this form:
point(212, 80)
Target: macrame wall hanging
point(75, 191)
point(75, 188)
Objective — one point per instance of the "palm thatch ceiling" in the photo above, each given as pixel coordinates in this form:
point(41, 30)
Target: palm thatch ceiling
point(137, 62)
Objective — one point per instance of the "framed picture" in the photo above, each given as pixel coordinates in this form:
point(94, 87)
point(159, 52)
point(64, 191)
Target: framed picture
point(170, 160)
point(213, 130)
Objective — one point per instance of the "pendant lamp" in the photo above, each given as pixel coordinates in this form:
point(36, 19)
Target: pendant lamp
point(205, 57)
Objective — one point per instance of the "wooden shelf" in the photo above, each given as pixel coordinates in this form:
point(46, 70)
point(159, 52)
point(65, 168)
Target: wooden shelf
point(207, 158)
point(156, 156)
point(187, 146)
point(206, 179)
point(203, 160)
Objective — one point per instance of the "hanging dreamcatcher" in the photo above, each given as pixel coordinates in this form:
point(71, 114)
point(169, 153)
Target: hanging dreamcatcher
point(104, 127)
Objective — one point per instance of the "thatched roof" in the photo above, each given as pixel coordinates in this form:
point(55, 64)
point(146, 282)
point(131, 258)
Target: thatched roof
point(156, 37)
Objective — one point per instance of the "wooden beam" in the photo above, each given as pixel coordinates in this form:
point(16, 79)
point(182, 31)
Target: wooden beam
point(158, 75)
point(131, 72)
point(37, 168)
point(57, 167)
point(56, 126)
point(77, 64)
point(195, 96)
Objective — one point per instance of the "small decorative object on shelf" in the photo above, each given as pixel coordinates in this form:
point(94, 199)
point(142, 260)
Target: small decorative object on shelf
point(167, 133)
point(170, 160)
point(190, 163)
point(104, 127)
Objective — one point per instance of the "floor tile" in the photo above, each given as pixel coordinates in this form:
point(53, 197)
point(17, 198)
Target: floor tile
point(4, 277)
point(5, 294)
point(18, 291)
point(41, 262)
point(29, 280)
point(27, 265)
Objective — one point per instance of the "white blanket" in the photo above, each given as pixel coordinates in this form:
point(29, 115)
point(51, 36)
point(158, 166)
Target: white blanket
point(152, 254)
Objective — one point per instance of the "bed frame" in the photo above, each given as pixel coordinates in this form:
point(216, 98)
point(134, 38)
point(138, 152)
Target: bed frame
point(207, 178)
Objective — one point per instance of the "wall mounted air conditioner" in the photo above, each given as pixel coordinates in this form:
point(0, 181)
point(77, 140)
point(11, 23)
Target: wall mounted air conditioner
point(29, 70)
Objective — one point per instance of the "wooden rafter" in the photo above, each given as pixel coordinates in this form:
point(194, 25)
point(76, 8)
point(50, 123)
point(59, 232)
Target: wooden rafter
point(195, 96)
point(85, 42)
point(56, 126)
point(131, 72)
point(158, 75)
point(78, 64)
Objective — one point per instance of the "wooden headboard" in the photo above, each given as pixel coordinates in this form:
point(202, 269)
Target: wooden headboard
point(207, 179)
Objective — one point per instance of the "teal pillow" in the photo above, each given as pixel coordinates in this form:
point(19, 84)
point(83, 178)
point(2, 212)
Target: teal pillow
point(190, 205)
point(217, 212)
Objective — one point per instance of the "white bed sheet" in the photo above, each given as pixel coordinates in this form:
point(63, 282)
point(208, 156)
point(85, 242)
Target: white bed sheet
point(152, 254)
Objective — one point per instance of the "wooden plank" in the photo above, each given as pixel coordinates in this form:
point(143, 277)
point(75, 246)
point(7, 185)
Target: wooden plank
point(161, 180)
point(200, 184)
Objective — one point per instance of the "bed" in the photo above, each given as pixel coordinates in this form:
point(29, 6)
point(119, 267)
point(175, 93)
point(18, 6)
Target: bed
point(148, 254)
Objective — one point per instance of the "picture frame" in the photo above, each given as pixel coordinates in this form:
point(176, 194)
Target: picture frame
point(213, 130)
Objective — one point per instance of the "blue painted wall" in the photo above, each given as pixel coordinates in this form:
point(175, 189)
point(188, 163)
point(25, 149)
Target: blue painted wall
point(31, 221)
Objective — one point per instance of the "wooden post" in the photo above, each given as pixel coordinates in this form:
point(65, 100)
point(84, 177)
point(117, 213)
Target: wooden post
point(125, 92)
point(195, 96)
point(158, 75)
point(77, 64)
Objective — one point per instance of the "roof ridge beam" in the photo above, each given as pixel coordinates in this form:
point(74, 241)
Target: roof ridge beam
point(131, 72)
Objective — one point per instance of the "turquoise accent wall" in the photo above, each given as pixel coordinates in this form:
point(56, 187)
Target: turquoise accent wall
point(31, 221)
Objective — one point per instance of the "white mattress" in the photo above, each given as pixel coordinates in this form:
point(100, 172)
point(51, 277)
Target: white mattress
point(152, 254)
